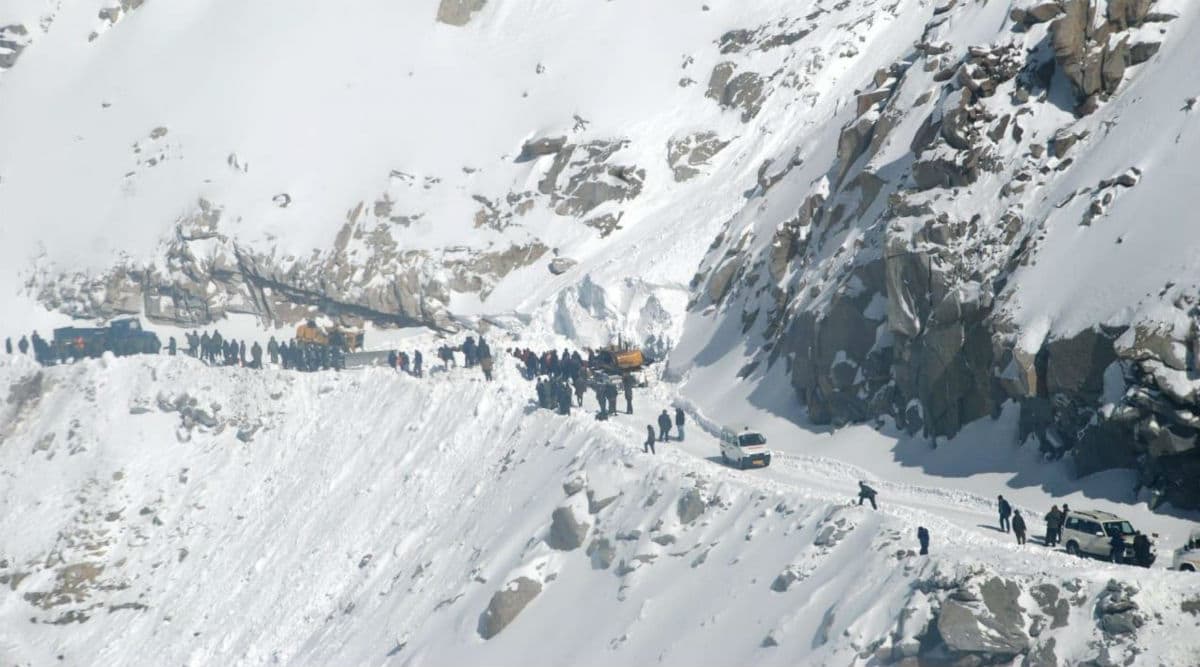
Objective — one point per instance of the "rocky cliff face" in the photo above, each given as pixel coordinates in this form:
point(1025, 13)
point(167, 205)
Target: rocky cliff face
point(889, 290)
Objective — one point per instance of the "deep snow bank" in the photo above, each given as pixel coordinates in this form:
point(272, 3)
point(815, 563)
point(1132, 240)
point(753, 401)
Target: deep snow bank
point(235, 517)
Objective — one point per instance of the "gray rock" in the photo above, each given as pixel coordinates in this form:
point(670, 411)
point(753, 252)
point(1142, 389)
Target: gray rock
point(506, 604)
point(691, 505)
point(1076, 365)
point(1042, 655)
point(1128, 13)
point(994, 627)
point(566, 531)
point(790, 575)
point(1052, 604)
point(602, 552)
point(595, 504)
point(685, 155)
point(1143, 51)
point(560, 265)
point(458, 12)
point(574, 485)
point(536, 148)
point(1038, 13)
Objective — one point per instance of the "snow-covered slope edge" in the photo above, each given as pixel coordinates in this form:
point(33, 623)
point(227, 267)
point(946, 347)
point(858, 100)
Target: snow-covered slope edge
point(254, 518)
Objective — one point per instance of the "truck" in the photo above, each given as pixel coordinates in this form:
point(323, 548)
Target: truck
point(121, 337)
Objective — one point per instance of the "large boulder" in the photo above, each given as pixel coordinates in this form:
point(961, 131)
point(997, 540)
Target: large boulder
point(690, 506)
point(506, 604)
point(992, 625)
point(1076, 365)
point(566, 531)
point(458, 12)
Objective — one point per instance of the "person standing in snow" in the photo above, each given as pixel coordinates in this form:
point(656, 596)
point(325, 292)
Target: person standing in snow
point(485, 364)
point(1005, 513)
point(23, 345)
point(1141, 550)
point(1117, 547)
point(580, 388)
point(664, 425)
point(627, 385)
point(679, 419)
point(8, 345)
point(1053, 526)
point(866, 493)
point(273, 350)
point(171, 346)
point(648, 446)
point(610, 397)
point(923, 538)
point(256, 356)
point(418, 361)
point(1018, 526)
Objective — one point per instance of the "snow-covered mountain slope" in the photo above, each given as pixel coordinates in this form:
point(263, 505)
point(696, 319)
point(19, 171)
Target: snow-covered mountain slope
point(923, 210)
point(243, 518)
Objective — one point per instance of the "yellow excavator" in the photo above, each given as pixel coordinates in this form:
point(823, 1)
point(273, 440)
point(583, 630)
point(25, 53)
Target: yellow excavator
point(621, 357)
point(343, 338)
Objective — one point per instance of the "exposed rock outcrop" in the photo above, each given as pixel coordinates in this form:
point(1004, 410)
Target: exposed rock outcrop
point(506, 604)
point(458, 12)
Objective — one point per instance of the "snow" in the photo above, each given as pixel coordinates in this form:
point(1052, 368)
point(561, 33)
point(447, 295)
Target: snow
point(378, 536)
point(367, 517)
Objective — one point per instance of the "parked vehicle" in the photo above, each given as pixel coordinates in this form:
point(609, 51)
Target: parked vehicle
point(121, 337)
point(747, 449)
point(1089, 533)
point(1187, 557)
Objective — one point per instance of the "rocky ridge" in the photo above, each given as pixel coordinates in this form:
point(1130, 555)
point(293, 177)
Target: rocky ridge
point(910, 322)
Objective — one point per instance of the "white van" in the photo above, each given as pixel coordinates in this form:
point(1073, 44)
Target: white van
point(1187, 559)
point(747, 449)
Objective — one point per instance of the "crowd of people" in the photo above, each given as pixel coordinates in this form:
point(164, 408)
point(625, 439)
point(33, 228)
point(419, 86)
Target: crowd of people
point(562, 380)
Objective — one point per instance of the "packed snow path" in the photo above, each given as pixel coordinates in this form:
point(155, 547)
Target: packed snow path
point(228, 516)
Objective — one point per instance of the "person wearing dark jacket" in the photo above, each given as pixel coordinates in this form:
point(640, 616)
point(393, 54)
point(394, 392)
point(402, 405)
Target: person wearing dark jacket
point(273, 350)
point(563, 392)
point(627, 385)
point(866, 493)
point(1018, 526)
point(256, 355)
point(1053, 526)
point(8, 346)
point(1142, 554)
point(418, 361)
point(679, 419)
point(664, 425)
point(580, 388)
point(540, 388)
point(242, 352)
point(1116, 545)
point(172, 346)
point(923, 538)
point(610, 398)
point(648, 446)
point(1005, 513)
point(23, 345)
point(485, 364)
